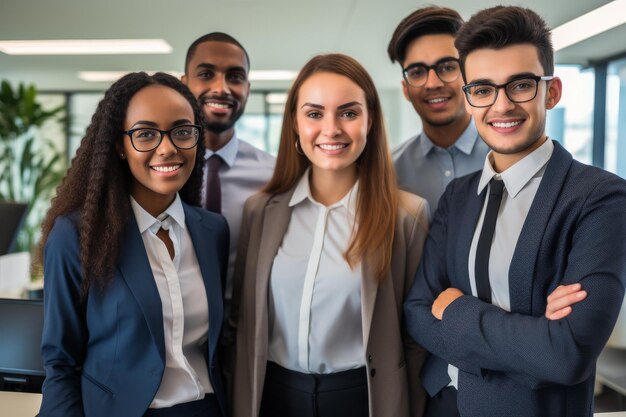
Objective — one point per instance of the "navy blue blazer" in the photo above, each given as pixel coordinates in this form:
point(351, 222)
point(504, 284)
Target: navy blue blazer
point(519, 363)
point(105, 357)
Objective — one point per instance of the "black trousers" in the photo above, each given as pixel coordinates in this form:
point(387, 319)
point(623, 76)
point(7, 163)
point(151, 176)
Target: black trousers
point(443, 404)
point(288, 393)
point(206, 407)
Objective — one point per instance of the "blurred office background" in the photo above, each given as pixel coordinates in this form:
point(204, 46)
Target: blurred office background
point(281, 35)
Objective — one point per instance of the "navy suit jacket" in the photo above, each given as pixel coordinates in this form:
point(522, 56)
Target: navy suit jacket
point(105, 356)
point(519, 363)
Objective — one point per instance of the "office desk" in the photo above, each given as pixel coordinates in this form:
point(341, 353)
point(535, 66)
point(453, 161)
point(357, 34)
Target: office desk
point(19, 404)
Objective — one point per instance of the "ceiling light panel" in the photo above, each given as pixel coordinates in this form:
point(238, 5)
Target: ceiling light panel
point(86, 47)
point(590, 24)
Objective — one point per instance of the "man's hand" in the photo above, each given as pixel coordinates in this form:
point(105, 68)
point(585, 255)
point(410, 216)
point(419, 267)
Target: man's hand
point(561, 300)
point(443, 301)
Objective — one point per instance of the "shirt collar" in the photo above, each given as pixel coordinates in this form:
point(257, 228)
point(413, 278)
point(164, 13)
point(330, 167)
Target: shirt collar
point(519, 174)
point(228, 152)
point(465, 143)
point(303, 192)
point(426, 145)
point(145, 220)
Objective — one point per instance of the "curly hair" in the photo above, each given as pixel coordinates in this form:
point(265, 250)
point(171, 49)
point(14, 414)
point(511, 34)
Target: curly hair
point(377, 201)
point(97, 184)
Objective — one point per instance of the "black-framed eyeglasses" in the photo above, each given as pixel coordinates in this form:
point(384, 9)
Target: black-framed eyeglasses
point(146, 139)
point(518, 90)
point(447, 70)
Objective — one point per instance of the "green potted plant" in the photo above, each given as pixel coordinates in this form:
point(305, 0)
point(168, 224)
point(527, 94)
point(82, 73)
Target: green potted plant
point(30, 165)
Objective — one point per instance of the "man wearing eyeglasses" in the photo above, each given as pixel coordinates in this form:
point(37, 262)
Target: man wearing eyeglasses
point(449, 146)
point(532, 221)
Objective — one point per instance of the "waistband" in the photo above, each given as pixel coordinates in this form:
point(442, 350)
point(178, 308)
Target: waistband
point(316, 382)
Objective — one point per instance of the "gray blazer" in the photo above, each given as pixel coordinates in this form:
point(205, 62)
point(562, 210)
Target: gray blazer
point(393, 359)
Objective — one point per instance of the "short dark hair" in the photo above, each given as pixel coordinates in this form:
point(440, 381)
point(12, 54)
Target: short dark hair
point(502, 26)
point(213, 37)
point(431, 20)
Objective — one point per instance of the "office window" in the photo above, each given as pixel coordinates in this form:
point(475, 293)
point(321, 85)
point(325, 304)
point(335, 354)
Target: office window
point(261, 123)
point(571, 121)
point(82, 106)
point(615, 146)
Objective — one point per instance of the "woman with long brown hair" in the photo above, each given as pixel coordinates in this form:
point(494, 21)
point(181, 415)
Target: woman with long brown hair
point(132, 268)
point(327, 252)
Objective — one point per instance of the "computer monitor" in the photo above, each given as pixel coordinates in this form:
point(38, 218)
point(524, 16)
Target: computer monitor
point(21, 324)
point(12, 216)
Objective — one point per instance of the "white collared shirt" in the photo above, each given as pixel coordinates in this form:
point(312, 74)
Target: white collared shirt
point(521, 182)
point(315, 320)
point(184, 303)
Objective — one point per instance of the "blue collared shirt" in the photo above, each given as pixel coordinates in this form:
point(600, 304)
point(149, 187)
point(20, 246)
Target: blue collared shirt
point(426, 169)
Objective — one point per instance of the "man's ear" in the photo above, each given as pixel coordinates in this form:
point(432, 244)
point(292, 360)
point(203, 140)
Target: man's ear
point(405, 90)
point(183, 79)
point(555, 90)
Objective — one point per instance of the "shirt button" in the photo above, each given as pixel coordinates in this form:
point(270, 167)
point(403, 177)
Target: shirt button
point(373, 372)
point(447, 173)
point(369, 358)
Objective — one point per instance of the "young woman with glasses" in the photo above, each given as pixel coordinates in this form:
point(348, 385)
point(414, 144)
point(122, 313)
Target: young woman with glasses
point(327, 252)
point(132, 267)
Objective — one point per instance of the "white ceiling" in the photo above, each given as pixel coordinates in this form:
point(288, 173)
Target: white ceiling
point(278, 34)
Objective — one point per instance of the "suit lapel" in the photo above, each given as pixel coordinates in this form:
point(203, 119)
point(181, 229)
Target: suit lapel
point(276, 218)
point(202, 237)
point(136, 271)
point(369, 291)
point(467, 219)
point(521, 271)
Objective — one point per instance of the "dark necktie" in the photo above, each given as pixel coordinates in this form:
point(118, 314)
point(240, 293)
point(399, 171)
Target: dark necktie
point(481, 268)
point(213, 191)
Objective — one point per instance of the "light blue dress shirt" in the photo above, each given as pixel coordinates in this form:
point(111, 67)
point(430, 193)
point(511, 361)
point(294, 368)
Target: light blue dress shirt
point(426, 169)
point(245, 171)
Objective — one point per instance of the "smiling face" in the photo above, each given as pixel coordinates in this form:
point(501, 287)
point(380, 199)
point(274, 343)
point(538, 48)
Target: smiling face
point(512, 130)
point(332, 122)
point(217, 75)
point(437, 103)
point(158, 174)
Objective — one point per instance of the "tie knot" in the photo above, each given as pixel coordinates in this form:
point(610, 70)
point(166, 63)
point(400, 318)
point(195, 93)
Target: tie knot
point(214, 162)
point(496, 187)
